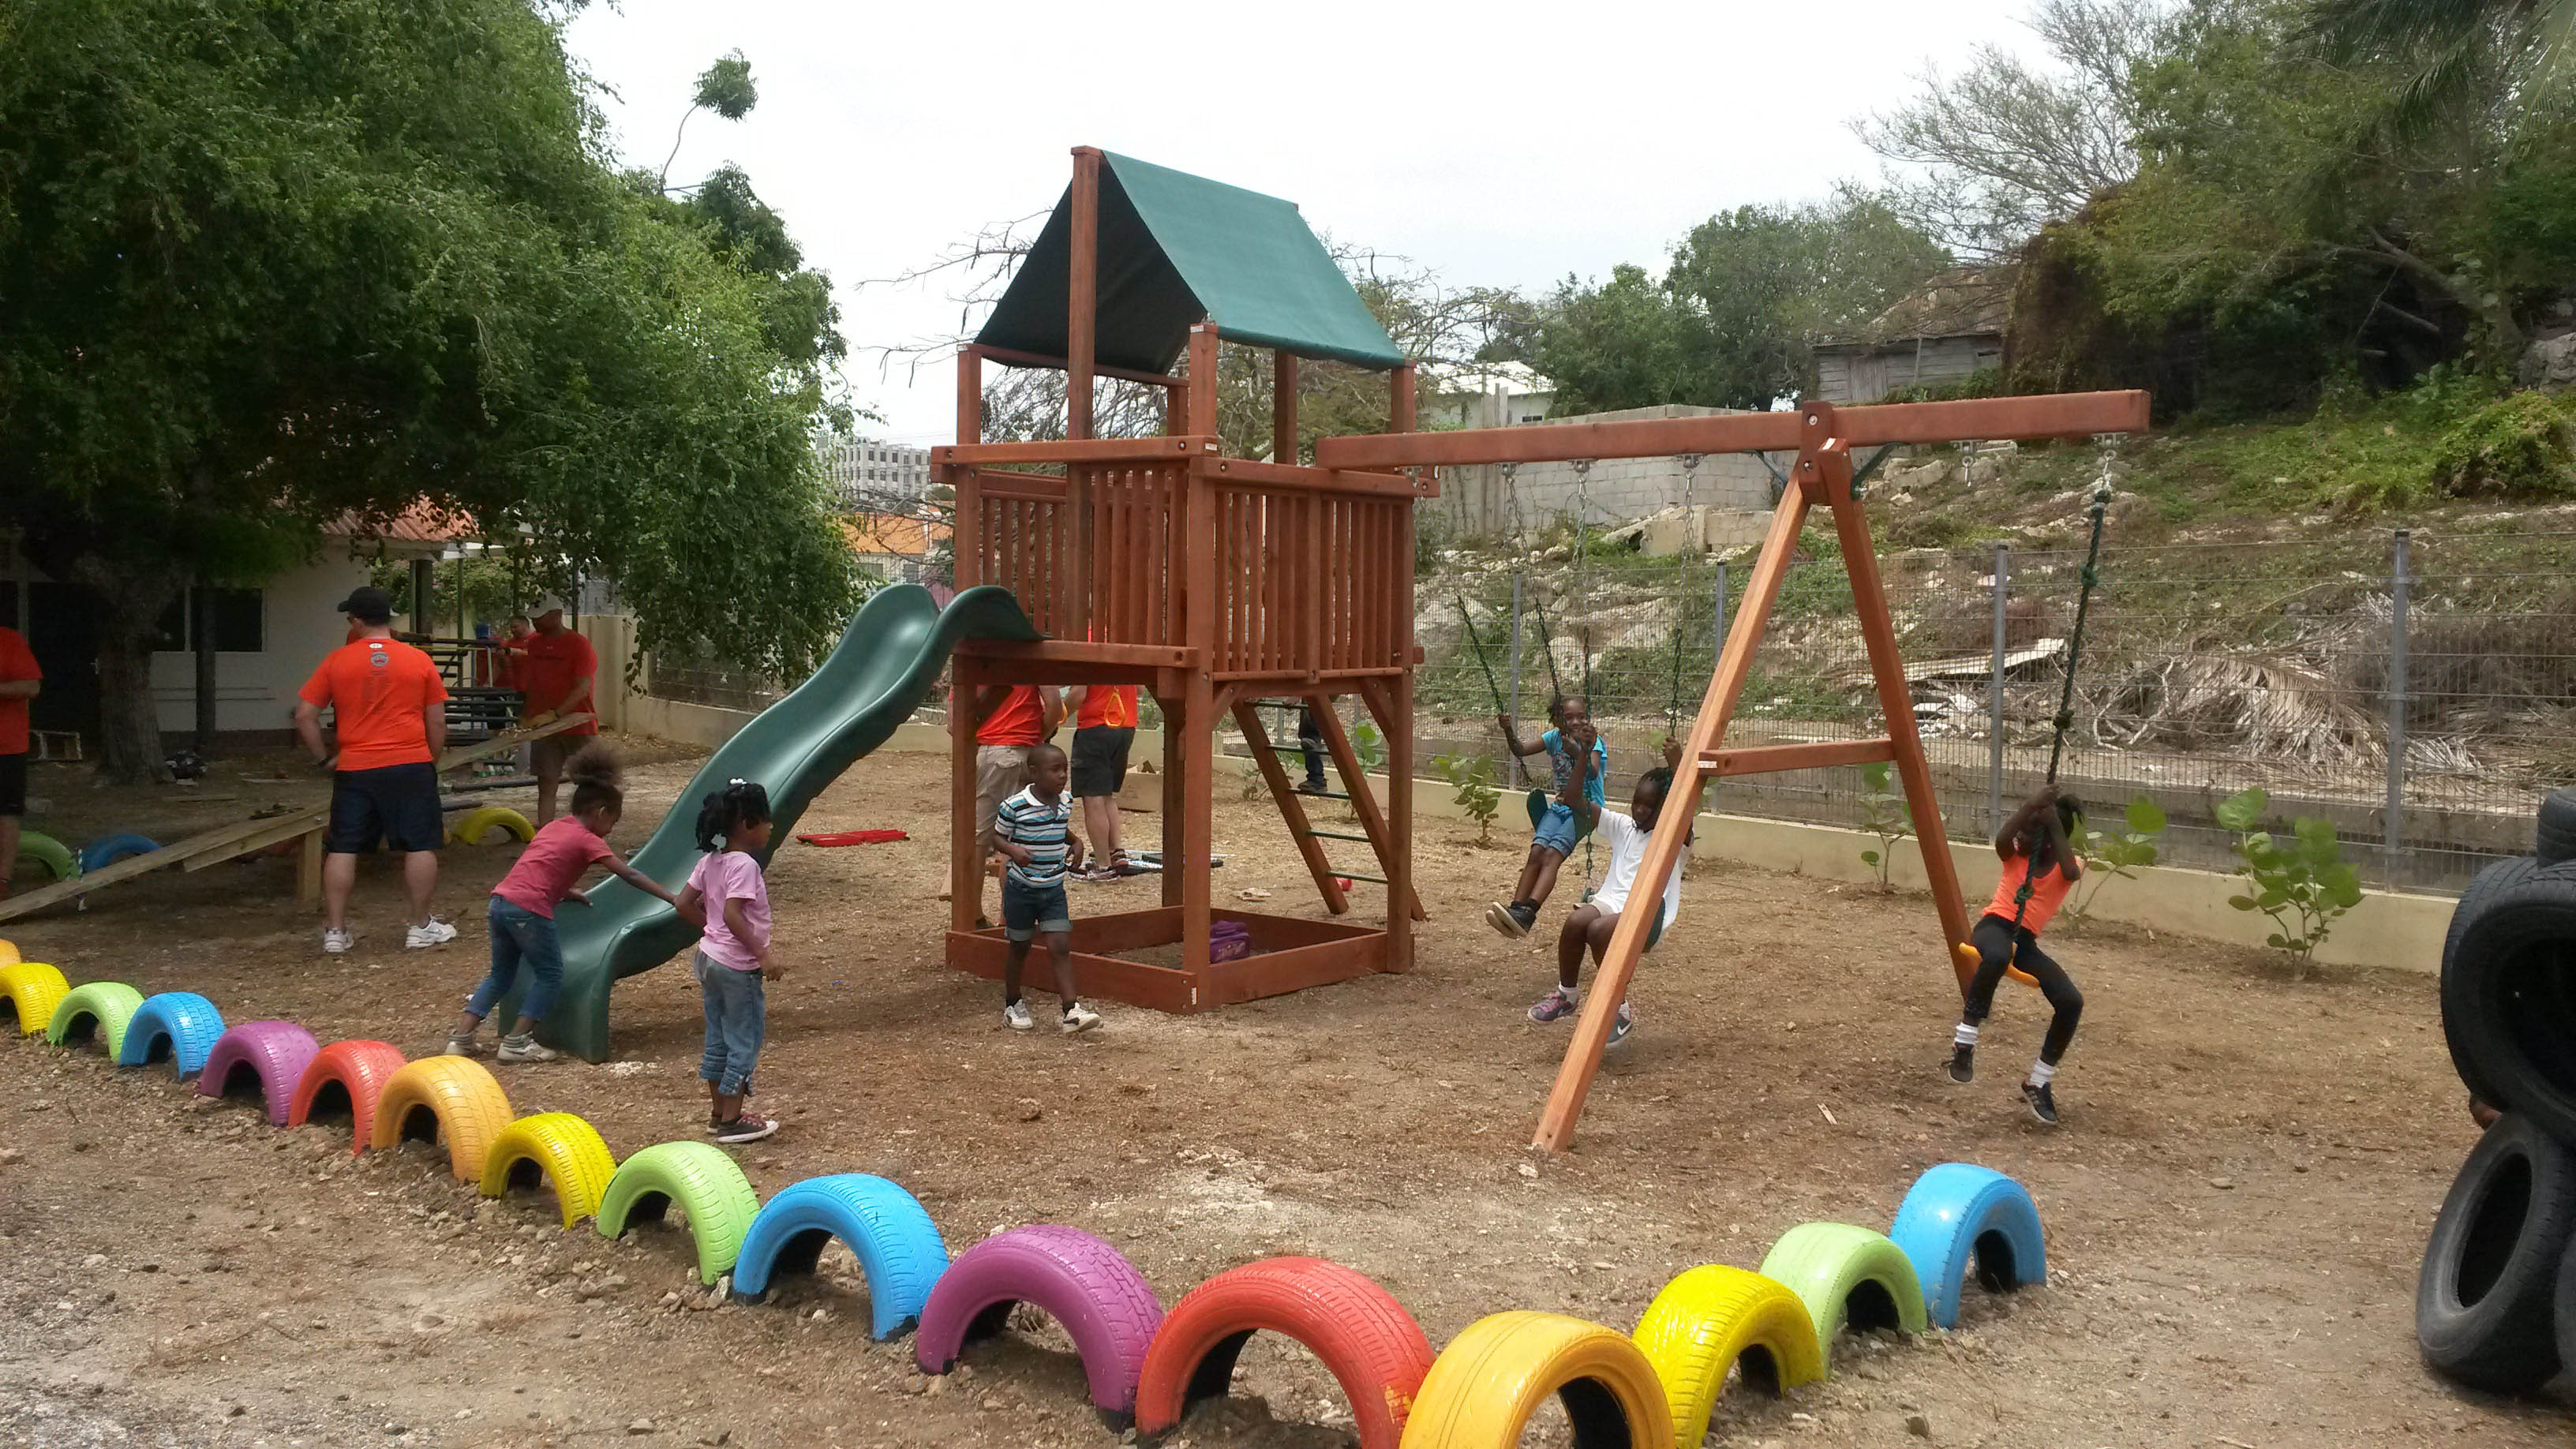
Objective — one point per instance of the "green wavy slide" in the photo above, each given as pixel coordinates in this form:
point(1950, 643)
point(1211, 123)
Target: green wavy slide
point(882, 668)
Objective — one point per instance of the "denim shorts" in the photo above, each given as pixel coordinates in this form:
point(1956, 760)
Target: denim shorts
point(1557, 829)
point(1028, 910)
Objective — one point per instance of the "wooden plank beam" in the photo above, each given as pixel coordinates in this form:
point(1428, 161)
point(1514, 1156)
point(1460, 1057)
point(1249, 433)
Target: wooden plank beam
point(1768, 759)
point(1276, 973)
point(1012, 357)
point(1321, 480)
point(1081, 651)
point(1084, 450)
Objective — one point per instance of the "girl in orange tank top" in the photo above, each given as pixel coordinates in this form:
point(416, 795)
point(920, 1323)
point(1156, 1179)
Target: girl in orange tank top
point(2039, 869)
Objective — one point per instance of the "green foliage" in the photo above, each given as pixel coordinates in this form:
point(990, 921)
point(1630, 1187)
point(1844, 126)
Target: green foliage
point(1370, 746)
point(2520, 446)
point(2108, 857)
point(2301, 881)
point(726, 87)
point(1984, 382)
point(1473, 777)
point(1884, 814)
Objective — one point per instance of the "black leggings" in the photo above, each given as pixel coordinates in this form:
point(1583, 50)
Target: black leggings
point(1998, 948)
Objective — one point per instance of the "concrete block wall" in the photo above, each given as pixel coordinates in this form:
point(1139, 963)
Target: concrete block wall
point(1479, 501)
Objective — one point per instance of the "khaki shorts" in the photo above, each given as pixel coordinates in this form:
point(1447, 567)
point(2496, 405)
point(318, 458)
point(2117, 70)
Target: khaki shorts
point(549, 755)
point(1000, 773)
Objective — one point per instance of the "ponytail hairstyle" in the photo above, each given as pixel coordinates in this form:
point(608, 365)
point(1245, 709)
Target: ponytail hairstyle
point(2040, 831)
point(739, 803)
point(597, 779)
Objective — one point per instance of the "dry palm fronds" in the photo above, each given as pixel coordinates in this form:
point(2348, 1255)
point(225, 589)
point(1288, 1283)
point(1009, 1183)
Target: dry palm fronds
point(2270, 707)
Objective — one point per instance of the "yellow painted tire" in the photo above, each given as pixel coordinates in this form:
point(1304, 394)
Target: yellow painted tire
point(1708, 1319)
point(32, 989)
point(9, 953)
point(1483, 1388)
point(562, 1148)
point(1846, 1274)
point(477, 824)
point(463, 1103)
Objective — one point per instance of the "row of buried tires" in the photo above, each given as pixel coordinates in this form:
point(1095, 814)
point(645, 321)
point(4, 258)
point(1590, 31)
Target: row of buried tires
point(486, 824)
point(2495, 1307)
point(1142, 1365)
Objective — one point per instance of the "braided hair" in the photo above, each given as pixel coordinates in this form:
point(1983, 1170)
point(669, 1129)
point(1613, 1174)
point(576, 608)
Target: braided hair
point(597, 779)
point(2040, 830)
point(739, 803)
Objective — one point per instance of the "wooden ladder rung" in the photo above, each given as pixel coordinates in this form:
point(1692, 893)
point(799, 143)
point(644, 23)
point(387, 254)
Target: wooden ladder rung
point(1355, 875)
point(1339, 835)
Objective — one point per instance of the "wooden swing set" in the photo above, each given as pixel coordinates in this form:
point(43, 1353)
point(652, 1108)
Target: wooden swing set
point(1221, 582)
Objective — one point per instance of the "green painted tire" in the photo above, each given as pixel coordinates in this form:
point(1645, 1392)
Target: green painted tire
point(1847, 1275)
point(48, 852)
point(106, 1005)
point(707, 1184)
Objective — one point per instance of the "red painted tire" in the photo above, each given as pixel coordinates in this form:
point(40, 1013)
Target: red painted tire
point(351, 1072)
point(272, 1054)
point(1085, 1285)
point(1374, 1348)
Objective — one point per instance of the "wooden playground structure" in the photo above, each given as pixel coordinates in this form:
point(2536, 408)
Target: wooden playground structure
point(1218, 582)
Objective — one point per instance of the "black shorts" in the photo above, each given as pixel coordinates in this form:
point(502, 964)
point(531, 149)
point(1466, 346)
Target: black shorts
point(398, 803)
point(1100, 760)
point(13, 784)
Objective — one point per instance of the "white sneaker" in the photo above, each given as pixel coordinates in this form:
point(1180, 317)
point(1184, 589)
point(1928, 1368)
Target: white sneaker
point(1078, 1017)
point(524, 1049)
point(1016, 1016)
point(336, 941)
point(463, 1046)
point(432, 932)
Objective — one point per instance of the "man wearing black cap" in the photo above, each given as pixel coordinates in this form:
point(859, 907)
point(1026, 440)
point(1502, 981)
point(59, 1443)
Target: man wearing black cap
point(390, 711)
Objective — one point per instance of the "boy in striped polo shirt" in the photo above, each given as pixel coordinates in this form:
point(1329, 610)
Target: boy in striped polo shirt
point(1034, 829)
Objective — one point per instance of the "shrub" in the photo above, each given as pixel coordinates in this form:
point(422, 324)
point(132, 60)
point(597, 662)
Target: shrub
point(2522, 445)
point(1884, 814)
point(1473, 775)
point(2301, 882)
point(2108, 857)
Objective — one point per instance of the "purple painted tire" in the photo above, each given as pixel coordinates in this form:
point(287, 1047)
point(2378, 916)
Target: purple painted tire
point(275, 1053)
point(1089, 1287)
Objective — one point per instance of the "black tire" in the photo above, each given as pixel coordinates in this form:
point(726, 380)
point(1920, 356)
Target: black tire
point(2555, 840)
point(2509, 1001)
point(2495, 877)
point(2567, 1307)
point(2485, 1314)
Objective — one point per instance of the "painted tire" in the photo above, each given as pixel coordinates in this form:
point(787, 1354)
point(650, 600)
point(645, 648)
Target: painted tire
point(1485, 1385)
point(475, 824)
point(9, 953)
point(354, 1072)
point(95, 1009)
point(31, 990)
point(179, 1025)
point(557, 1147)
point(1847, 1275)
point(2483, 1313)
point(461, 1102)
point(1375, 1350)
point(273, 1053)
point(52, 854)
point(708, 1185)
point(1713, 1318)
point(1958, 1214)
point(110, 849)
point(1085, 1285)
point(887, 1230)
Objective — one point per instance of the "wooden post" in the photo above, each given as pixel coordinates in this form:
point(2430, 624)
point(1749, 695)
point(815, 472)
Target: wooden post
point(1399, 809)
point(1198, 832)
point(965, 860)
point(970, 394)
point(1175, 782)
point(1399, 408)
point(1202, 379)
point(308, 869)
point(1176, 409)
point(1283, 408)
point(1083, 291)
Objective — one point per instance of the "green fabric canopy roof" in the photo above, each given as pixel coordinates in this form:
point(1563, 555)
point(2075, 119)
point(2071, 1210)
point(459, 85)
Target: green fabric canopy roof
point(1175, 248)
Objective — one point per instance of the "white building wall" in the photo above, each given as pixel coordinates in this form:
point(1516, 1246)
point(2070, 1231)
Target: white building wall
point(298, 623)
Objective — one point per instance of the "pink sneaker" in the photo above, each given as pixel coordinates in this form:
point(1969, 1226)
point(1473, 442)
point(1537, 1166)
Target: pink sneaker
point(1555, 1006)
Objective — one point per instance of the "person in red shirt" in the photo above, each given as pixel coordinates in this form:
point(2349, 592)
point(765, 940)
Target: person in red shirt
point(1007, 719)
point(557, 673)
point(507, 653)
point(1104, 730)
point(20, 678)
point(389, 708)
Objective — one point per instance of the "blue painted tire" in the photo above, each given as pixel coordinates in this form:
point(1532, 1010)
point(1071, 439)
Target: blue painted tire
point(107, 850)
point(1959, 1216)
point(890, 1233)
point(180, 1025)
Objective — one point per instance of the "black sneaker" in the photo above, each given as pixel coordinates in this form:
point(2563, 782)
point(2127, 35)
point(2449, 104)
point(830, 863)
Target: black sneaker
point(2043, 1103)
point(1525, 912)
point(1963, 1064)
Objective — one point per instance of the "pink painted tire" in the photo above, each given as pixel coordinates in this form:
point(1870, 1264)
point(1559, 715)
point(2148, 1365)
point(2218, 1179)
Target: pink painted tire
point(1084, 1284)
point(348, 1075)
point(271, 1054)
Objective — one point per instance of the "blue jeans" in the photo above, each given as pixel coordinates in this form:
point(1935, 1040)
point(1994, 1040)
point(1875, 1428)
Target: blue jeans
point(520, 937)
point(737, 1020)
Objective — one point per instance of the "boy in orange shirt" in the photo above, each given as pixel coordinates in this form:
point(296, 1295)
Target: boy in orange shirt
point(390, 712)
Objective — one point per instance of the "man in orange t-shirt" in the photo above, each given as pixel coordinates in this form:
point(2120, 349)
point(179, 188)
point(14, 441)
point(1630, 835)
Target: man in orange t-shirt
point(1007, 719)
point(389, 709)
point(19, 681)
point(1104, 730)
point(558, 673)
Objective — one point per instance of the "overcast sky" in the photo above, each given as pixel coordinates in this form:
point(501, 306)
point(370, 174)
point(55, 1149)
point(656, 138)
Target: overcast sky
point(1497, 144)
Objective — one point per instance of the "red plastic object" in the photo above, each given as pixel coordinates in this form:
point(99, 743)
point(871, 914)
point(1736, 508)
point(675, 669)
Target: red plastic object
point(853, 837)
point(359, 1068)
point(1372, 1346)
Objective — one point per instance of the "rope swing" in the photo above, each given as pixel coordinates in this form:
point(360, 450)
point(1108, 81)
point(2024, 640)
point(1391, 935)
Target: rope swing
point(2065, 720)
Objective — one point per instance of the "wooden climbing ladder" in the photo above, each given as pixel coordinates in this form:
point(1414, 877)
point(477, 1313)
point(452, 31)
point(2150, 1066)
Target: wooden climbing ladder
point(1355, 791)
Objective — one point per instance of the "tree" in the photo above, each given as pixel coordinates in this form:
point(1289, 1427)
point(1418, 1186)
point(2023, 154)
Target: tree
point(271, 264)
point(725, 88)
point(2449, 53)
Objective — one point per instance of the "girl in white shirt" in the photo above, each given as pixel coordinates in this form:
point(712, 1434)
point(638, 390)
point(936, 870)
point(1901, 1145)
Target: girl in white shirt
point(1592, 923)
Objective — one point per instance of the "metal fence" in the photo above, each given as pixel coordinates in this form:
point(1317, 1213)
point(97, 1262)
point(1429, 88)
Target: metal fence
point(2429, 681)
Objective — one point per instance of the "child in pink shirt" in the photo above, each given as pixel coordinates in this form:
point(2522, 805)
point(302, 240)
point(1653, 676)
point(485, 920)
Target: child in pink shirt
point(522, 912)
point(727, 893)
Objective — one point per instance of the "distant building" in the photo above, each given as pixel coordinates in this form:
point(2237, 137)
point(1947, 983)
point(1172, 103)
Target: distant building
point(1948, 328)
point(1483, 395)
point(868, 474)
point(896, 548)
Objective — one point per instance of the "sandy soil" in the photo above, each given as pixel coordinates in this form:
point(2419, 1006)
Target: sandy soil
point(2235, 1205)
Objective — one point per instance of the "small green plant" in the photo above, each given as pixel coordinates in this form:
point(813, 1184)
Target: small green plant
point(1885, 815)
point(2300, 881)
point(1473, 775)
point(2108, 857)
point(2521, 446)
point(1370, 746)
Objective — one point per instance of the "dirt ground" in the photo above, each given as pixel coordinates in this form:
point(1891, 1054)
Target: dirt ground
point(2235, 1204)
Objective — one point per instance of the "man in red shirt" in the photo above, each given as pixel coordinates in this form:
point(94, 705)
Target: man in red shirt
point(389, 708)
point(557, 672)
point(1007, 719)
point(19, 681)
point(1104, 729)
